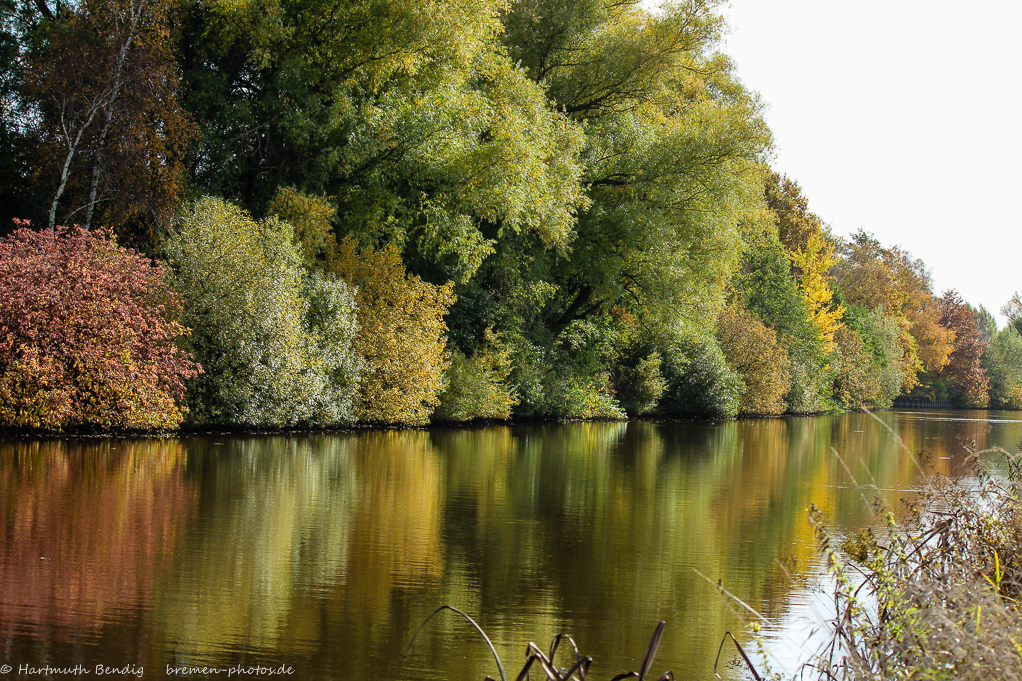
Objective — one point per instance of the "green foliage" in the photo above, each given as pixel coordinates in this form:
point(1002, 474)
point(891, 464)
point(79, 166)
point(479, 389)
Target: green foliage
point(567, 377)
point(276, 344)
point(477, 386)
point(699, 380)
point(639, 383)
point(1002, 362)
point(881, 337)
point(671, 156)
point(88, 335)
point(407, 114)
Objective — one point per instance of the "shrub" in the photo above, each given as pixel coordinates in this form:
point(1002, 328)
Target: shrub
point(638, 382)
point(940, 595)
point(566, 376)
point(856, 383)
point(477, 386)
point(751, 349)
point(276, 343)
point(87, 334)
point(699, 381)
point(401, 334)
point(883, 337)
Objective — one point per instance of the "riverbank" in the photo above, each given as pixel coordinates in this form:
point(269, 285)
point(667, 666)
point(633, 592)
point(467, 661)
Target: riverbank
point(940, 595)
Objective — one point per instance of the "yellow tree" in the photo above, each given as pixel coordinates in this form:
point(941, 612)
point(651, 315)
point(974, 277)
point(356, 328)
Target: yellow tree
point(811, 264)
point(402, 334)
point(811, 255)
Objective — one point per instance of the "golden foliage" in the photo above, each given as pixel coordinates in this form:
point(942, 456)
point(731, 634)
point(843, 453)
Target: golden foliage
point(312, 218)
point(856, 384)
point(751, 349)
point(898, 284)
point(812, 263)
point(401, 335)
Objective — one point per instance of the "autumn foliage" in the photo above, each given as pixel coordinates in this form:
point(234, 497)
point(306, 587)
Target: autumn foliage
point(752, 350)
point(965, 363)
point(402, 335)
point(87, 334)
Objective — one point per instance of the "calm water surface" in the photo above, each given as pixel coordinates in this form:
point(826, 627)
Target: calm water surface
point(324, 552)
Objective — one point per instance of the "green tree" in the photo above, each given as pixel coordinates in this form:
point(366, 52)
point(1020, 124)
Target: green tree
point(408, 115)
point(276, 344)
point(671, 154)
point(1002, 359)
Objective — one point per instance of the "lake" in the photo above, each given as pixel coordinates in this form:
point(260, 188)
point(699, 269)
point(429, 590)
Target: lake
point(323, 552)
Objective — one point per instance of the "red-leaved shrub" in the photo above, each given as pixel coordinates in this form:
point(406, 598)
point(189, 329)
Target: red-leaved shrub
point(87, 334)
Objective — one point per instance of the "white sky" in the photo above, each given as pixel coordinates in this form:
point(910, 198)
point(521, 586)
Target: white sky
point(902, 117)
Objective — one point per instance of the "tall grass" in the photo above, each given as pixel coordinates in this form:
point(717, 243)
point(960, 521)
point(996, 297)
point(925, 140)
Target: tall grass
point(938, 594)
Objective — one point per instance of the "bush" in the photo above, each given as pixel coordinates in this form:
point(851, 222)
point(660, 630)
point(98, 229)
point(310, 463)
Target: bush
point(882, 337)
point(87, 334)
point(477, 386)
point(751, 349)
point(940, 598)
point(856, 384)
point(566, 376)
point(276, 343)
point(699, 381)
point(401, 334)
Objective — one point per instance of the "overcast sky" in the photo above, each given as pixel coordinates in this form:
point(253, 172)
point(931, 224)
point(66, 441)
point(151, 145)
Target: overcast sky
point(900, 117)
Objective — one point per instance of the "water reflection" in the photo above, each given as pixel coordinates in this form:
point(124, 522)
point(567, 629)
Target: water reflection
point(325, 551)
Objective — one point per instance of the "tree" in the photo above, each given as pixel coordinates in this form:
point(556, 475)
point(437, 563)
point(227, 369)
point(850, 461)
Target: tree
point(408, 115)
point(277, 344)
point(751, 349)
point(17, 152)
point(964, 370)
point(88, 335)
point(401, 335)
point(1002, 363)
point(900, 286)
point(672, 154)
point(104, 83)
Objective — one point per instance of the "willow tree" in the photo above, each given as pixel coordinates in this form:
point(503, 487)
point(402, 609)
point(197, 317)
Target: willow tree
point(671, 157)
point(408, 116)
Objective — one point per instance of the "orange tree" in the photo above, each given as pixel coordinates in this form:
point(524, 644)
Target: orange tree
point(87, 334)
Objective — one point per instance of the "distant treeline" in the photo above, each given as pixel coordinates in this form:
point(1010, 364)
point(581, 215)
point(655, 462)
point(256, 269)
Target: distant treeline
point(396, 211)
